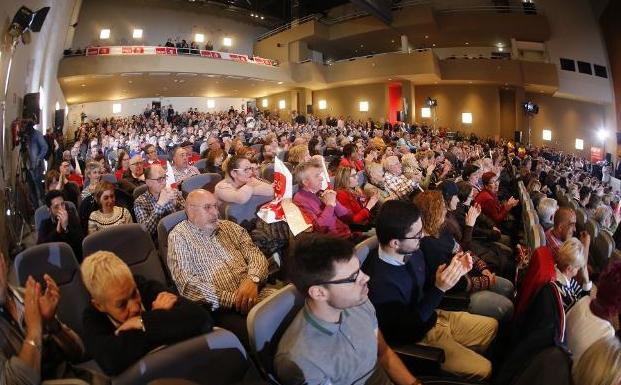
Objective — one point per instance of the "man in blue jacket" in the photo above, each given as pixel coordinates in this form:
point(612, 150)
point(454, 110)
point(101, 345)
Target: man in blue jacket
point(37, 149)
point(406, 308)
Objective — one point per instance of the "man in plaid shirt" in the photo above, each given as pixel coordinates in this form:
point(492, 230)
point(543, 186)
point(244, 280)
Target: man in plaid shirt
point(394, 181)
point(158, 201)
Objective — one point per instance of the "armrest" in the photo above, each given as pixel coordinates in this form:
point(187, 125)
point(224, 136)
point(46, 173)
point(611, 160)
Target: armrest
point(457, 301)
point(420, 359)
point(65, 381)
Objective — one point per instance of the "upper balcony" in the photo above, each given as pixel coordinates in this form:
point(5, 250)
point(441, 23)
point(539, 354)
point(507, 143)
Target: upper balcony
point(113, 73)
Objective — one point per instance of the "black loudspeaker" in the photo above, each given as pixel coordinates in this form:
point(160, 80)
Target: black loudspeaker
point(608, 157)
point(517, 136)
point(400, 116)
point(618, 137)
point(59, 119)
point(31, 107)
point(309, 108)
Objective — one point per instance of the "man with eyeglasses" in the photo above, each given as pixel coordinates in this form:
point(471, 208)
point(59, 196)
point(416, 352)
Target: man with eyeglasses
point(158, 201)
point(406, 304)
point(394, 180)
point(63, 225)
point(133, 177)
point(181, 166)
point(215, 262)
point(334, 339)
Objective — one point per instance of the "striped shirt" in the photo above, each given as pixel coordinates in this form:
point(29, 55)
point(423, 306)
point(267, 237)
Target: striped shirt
point(400, 185)
point(210, 267)
point(148, 212)
point(570, 289)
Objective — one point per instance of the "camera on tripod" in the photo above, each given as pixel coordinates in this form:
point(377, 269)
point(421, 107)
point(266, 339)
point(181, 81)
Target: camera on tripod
point(21, 130)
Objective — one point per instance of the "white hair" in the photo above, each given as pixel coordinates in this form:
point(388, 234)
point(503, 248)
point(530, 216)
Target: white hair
point(546, 209)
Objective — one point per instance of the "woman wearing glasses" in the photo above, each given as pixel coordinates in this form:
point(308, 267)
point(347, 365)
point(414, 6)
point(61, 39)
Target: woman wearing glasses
point(240, 182)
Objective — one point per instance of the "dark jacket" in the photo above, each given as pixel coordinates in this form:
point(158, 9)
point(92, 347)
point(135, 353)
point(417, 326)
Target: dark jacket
point(73, 236)
point(405, 306)
point(162, 327)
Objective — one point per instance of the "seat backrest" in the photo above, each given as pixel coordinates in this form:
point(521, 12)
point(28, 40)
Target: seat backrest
point(133, 245)
point(109, 178)
point(602, 249)
point(581, 218)
point(242, 214)
point(362, 179)
point(592, 228)
point(363, 248)
point(201, 164)
point(138, 191)
point(164, 227)
point(268, 321)
point(268, 172)
point(43, 213)
point(205, 181)
point(57, 260)
point(216, 358)
point(539, 236)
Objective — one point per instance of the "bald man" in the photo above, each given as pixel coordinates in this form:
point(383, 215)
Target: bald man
point(564, 228)
point(215, 262)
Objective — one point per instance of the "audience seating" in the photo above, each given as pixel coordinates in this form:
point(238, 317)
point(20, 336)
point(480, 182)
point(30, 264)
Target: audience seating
point(133, 245)
point(205, 181)
point(201, 164)
point(58, 260)
point(243, 214)
point(363, 248)
point(267, 321)
point(216, 358)
point(601, 249)
point(164, 227)
point(109, 178)
point(138, 191)
point(581, 218)
point(43, 213)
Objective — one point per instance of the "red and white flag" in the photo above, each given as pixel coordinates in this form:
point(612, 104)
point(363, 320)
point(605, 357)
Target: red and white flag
point(282, 207)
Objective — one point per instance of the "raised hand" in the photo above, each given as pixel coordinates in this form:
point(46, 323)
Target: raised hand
point(473, 213)
point(48, 301)
point(32, 314)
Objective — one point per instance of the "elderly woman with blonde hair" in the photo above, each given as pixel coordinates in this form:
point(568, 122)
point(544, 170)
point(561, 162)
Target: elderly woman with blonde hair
point(129, 316)
point(571, 262)
point(600, 364)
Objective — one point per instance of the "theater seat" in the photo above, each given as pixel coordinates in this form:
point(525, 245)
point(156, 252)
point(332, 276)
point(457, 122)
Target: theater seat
point(592, 228)
point(243, 214)
point(205, 181)
point(164, 227)
point(581, 218)
point(201, 164)
point(109, 178)
point(216, 358)
point(133, 245)
point(138, 191)
point(267, 322)
point(602, 249)
point(363, 248)
point(57, 260)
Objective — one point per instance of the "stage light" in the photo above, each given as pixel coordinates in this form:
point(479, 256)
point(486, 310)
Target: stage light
point(282, 104)
point(264, 103)
point(466, 117)
point(602, 133)
point(104, 34)
point(116, 108)
point(137, 33)
point(364, 106)
point(425, 112)
point(322, 104)
point(547, 135)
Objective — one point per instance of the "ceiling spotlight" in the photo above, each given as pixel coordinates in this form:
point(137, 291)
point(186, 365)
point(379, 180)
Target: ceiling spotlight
point(262, 18)
point(252, 15)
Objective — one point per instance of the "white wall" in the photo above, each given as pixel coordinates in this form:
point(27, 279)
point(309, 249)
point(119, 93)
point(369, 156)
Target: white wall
point(159, 21)
point(576, 35)
point(136, 106)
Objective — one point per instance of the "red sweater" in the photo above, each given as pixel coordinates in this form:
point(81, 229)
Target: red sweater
point(490, 206)
point(360, 214)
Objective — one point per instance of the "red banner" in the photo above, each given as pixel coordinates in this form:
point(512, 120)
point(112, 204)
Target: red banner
point(211, 54)
point(597, 154)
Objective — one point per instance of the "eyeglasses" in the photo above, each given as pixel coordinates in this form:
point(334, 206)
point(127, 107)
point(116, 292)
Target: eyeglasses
point(247, 170)
point(207, 206)
point(351, 279)
point(418, 236)
point(160, 179)
point(135, 163)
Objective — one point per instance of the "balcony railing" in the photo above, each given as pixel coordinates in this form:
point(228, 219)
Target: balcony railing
point(172, 51)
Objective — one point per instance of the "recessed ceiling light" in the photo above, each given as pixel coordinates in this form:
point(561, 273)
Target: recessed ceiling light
point(279, 82)
point(433, 45)
point(467, 43)
point(361, 45)
point(130, 81)
point(83, 85)
point(426, 36)
point(262, 17)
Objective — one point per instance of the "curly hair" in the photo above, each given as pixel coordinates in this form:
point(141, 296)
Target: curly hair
point(432, 210)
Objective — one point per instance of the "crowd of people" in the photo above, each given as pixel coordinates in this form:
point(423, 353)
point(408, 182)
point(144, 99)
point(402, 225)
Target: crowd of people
point(445, 210)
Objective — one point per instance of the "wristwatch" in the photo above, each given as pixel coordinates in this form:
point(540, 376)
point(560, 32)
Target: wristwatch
point(254, 278)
